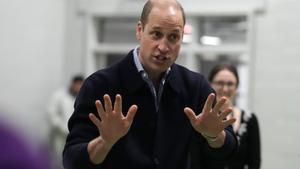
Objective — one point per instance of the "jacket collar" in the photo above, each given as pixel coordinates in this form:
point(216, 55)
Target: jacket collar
point(174, 79)
point(132, 78)
point(130, 75)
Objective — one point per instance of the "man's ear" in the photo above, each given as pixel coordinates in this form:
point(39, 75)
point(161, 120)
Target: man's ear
point(138, 30)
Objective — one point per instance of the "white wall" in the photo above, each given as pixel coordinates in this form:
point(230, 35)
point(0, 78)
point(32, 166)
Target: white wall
point(75, 41)
point(277, 84)
point(31, 59)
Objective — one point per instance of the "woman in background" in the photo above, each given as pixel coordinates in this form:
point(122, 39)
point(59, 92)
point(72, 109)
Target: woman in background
point(225, 80)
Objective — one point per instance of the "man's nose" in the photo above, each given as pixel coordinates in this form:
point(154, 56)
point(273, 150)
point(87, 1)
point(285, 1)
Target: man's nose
point(163, 45)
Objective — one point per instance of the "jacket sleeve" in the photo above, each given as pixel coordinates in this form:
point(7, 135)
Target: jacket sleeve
point(202, 154)
point(81, 129)
point(253, 140)
point(230, 145)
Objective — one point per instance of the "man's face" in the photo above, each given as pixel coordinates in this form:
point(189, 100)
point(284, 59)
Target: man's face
point(75, 87)
point(160, 39)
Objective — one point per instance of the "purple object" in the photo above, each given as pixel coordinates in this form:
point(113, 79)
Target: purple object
point(17, 154)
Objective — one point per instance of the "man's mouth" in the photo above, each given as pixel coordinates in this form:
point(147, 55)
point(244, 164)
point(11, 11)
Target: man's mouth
point(160, 58)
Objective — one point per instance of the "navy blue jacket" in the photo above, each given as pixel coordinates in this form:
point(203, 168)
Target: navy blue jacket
point(157, 139)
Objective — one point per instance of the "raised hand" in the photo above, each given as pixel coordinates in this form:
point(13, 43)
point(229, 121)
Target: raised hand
point(211, 121)
point(112, 124)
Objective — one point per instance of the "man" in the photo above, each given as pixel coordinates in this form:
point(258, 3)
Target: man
point(143, 112)
point(59, 111)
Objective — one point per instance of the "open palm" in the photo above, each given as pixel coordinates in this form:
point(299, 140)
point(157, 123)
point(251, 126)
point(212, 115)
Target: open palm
point(211, 121)
point(112, 124)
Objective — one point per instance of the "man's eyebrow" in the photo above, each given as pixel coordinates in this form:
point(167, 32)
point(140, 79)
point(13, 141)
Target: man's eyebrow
point(156, 27)
point(176, 30)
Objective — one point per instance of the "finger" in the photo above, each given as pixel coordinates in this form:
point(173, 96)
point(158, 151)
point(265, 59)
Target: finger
point(107, 103)
point(208, 103)
point(118, 104)
point(219, 104)
point(190, 114)
point(224, 114)
point(95, 120)
point(131, 113)
point(100, 109)
point(229, 122)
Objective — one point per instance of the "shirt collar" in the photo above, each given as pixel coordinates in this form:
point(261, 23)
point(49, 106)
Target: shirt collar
point(138, 63)
point(136, 59)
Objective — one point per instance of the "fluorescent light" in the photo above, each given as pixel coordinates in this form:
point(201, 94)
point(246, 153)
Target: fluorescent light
point(210, 40)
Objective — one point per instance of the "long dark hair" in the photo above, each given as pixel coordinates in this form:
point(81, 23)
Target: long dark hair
point(217, 68)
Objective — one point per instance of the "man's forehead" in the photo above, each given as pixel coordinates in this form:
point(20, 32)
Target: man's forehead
point(172, 8)
point(165, 3)
point(167, 14)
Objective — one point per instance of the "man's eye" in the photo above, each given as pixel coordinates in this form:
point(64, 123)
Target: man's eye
point(156, 35)
point(173, 37)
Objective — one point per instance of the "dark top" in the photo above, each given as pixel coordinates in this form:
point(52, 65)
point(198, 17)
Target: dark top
point(248, 155)
point(156, 139)
point(249, 143)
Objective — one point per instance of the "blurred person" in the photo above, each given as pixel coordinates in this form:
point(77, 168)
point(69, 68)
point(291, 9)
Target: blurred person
point(143, 112)
point(60, 109)
point(224, 79)
point(17, 153)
